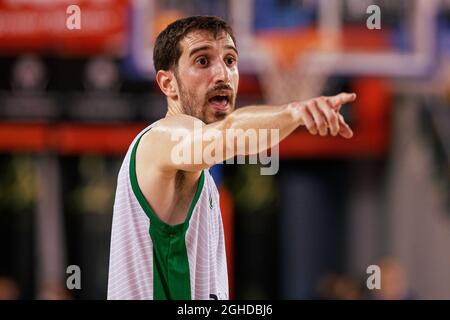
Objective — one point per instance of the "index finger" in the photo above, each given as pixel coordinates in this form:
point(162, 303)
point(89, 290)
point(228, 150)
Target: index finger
point(342, 98)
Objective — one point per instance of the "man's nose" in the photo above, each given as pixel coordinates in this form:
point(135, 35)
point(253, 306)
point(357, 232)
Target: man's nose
point(221, 73)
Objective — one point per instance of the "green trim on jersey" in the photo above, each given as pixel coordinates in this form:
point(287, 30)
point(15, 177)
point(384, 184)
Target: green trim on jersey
point(171, 278)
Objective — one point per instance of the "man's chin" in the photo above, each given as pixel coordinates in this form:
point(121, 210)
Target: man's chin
point(216, 115)
point(213, 118)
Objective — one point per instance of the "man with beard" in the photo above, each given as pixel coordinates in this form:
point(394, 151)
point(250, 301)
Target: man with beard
point(167, 237)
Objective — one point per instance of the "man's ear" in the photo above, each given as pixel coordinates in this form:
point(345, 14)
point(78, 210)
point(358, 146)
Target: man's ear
point(167, 83)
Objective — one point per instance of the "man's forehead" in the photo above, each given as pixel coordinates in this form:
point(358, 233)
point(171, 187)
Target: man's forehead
point(204, 37)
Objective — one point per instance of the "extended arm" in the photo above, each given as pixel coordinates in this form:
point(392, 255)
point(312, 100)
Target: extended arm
point(186, 143)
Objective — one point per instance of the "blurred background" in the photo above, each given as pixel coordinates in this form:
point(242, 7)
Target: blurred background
point(71, 101)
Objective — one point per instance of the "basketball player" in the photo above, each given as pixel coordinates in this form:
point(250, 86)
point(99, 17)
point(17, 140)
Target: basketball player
point(167, 237)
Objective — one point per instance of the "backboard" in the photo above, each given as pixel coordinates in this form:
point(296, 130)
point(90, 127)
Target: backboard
point(323, 32)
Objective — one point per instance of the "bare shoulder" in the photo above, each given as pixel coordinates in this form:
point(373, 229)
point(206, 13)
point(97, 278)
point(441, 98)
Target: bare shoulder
point(174, 122)
point(156, 145)
point(165, 126)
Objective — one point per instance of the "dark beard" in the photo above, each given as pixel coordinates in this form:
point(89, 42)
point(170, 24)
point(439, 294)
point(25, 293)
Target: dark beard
point(190, 104)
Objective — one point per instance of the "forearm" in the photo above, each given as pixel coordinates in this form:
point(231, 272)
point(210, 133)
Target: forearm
point(271, 122)
point(283, 118)
point(253, 129)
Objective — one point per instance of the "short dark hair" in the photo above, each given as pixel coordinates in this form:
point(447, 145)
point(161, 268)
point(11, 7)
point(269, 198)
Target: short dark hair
point(167, 50)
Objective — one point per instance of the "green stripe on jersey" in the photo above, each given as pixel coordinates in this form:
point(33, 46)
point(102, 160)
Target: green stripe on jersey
point(171, 278)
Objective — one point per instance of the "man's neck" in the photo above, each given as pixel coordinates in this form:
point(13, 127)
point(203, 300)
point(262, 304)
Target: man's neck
point(173, 108)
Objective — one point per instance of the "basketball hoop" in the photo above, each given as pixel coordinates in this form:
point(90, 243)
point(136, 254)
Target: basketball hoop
point(289, 72)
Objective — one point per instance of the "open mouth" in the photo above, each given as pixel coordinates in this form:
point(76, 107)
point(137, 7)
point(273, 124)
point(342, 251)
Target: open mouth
point(220, 101)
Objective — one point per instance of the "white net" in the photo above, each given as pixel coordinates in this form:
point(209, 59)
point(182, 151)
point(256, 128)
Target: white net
point(304, 80)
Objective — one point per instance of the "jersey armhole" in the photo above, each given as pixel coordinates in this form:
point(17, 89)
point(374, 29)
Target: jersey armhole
point(154, 219)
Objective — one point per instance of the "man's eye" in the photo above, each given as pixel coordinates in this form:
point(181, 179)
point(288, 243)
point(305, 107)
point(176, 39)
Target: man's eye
point(202, 61)
point(230, 61)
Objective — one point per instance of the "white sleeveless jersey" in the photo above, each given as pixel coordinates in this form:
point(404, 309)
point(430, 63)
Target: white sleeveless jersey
point(150, 259)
